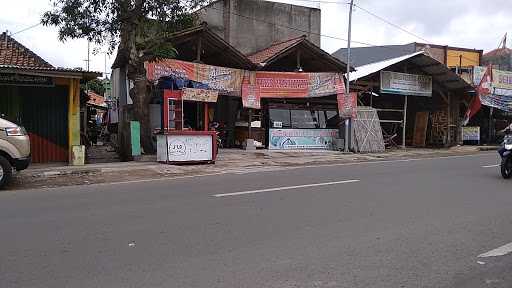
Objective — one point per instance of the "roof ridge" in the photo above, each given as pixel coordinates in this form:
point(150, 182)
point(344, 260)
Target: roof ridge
point(5, 40)
point(497, 50)
point(303, 36)
point(278, 43)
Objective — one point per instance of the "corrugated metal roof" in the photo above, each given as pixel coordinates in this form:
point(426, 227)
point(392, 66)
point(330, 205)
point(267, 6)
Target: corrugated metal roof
point(368, 69)
point(360, 56)
point(439, 72)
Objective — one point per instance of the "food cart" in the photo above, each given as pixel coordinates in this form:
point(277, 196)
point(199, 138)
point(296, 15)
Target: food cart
point(181, 141)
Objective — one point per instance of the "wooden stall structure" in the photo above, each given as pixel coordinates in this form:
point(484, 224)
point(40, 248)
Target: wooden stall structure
point(417, 99)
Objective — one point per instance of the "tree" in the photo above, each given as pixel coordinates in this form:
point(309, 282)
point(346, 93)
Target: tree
point(95, 85)
point(139, 29)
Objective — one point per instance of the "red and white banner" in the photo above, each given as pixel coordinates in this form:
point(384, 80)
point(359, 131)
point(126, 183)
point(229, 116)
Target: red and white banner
point(483, 90)
point(347, 105)
point(257, 85)
point(254, 85)
point(250, 91)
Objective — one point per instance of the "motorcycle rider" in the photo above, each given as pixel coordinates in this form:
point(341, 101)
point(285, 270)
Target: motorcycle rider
point(507, 130)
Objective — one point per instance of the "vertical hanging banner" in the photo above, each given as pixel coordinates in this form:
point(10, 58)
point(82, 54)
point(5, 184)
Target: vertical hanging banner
point(250, 92)
point(347, 104)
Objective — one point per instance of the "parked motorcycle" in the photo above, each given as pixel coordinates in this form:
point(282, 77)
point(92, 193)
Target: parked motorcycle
point(506, 156)
point(215, 126)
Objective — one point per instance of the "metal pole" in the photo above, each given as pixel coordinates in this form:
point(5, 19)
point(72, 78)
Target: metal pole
point(249, 133)
point(491, 128)
point(347, 87)
point(88, 54)
point(105, 65)
point(449, 119)
point(404, 122)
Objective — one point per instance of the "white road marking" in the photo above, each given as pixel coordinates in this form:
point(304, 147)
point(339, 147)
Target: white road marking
point(500, 251)
point(284, 188)
point(491, 166)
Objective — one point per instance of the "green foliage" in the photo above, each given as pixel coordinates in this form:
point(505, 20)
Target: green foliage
point(95, 85)
point(133, 25)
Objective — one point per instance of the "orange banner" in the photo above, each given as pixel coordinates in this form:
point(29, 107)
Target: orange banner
point(282, 84)
point(254, 85)
point(170, 67)
point(222, 79)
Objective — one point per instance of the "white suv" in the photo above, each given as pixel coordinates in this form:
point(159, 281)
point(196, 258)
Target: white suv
point(14, 150)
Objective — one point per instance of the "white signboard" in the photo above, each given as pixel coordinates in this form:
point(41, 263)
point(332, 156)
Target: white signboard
point(405, 84)
point(278, 124)
point(471, 133)
point(283, 139)
point(182, 148)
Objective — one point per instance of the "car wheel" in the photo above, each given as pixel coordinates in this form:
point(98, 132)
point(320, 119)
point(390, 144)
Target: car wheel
point(5, 172)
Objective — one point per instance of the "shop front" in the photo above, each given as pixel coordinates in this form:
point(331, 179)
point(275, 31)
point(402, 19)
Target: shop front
point(298, 110)
point(302, 125)
point(276, 110)
point(417, 99)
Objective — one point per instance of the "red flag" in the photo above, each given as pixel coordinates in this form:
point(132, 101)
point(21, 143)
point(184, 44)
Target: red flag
point(483, 89)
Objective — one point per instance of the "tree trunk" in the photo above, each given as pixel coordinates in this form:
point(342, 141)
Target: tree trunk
point(141, 99)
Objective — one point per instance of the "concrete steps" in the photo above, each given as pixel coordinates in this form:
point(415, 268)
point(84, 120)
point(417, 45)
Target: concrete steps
point(101, 154)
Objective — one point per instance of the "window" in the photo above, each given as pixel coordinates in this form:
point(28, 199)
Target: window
point(333, 119)
point(303, 119)
point(279, 118)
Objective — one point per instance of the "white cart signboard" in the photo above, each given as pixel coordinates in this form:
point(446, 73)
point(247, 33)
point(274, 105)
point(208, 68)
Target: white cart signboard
point(184, 148)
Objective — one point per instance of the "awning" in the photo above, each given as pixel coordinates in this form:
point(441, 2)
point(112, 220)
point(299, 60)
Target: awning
point(440, 73)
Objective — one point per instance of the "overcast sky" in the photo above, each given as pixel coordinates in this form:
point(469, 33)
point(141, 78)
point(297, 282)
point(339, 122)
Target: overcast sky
point(476, 24)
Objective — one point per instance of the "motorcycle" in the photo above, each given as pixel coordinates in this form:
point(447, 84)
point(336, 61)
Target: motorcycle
point(216, 127)
point(506, 156)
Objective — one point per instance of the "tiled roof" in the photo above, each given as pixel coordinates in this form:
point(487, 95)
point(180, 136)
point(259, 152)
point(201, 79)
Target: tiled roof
point(263, 55)
point(15, 55)
point(96, 99)
point(498, 52)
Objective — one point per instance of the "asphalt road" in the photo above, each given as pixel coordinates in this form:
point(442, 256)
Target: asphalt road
point(419, 223)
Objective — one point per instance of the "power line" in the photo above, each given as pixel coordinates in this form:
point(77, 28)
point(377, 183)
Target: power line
point(293, 28)
point(391, 23)
point(28, 28)
point(464, 57)
point(322, 1)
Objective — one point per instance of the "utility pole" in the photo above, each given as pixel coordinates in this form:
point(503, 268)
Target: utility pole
point(106, 77)
point(88, 54)
point(347, 87)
